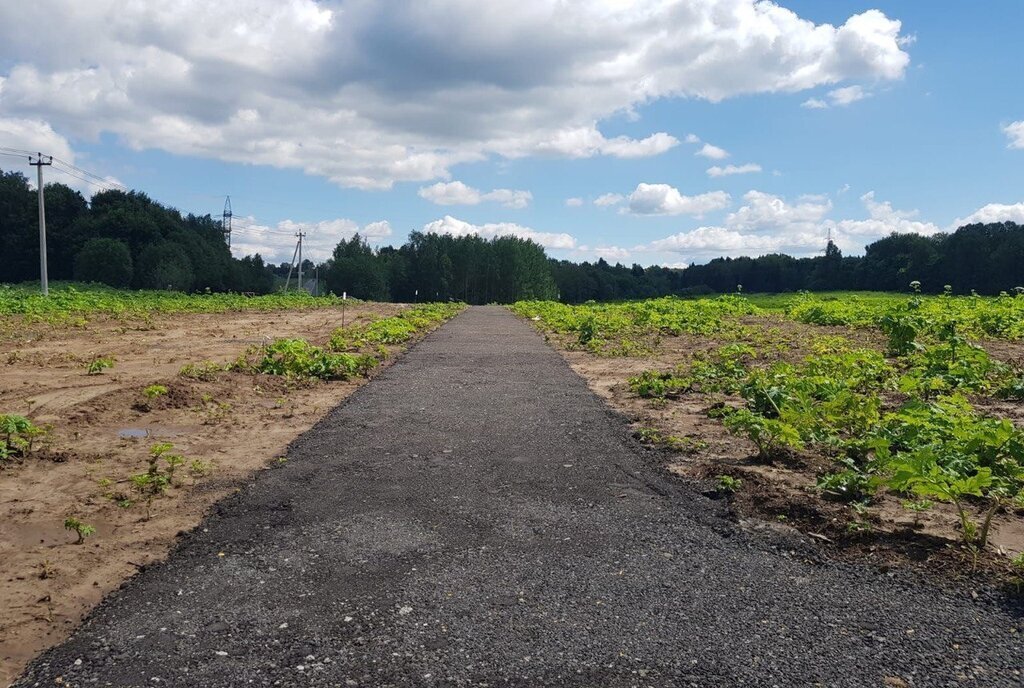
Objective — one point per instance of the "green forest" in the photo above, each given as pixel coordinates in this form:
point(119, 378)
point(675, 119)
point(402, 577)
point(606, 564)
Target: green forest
point(126, 239)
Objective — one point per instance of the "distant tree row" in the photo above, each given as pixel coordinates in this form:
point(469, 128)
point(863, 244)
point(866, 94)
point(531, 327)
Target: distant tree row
point(985, 258)
point(125, 239)
point(439, 267)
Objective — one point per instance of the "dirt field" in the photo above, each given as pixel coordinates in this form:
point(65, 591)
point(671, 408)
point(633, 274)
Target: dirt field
point(103, 426)
point(783, 493)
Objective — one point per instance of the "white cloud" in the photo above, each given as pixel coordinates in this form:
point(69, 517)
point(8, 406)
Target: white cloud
point(662, 199)
point(1015, 133)
point(367, 93)
point(845, 96)
point(992, 213)
point(883, 220)
point(605, 200)
point(764, 211)
point(456, 227)
point(612, 254)
point(276, 243)
point(768, 224)
point(713, 152)
point(692, 138)
point(38, 136)
point(457, 193)
point(574, 202)
point(839, 97)
point(747, 168)
point(717, 240)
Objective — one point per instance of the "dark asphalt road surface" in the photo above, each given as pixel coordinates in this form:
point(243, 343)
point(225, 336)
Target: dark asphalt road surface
point(475, 516)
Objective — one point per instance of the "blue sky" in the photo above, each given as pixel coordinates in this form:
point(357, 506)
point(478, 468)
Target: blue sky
point(858, 118)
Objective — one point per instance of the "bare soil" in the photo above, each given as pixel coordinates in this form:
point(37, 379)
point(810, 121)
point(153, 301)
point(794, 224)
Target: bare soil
point(783, 494)
point(103, 426)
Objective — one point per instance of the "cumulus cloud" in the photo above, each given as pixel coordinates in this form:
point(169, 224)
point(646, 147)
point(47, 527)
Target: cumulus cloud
point(840, 97)
point(712, 152)
point(764, 211)
point(39, 137)
point(608, 199)
point(992, 213)
point(1015, 133)
point(456, 227)
point(883, 220)
point(457, 193)
point(747, 168)
point(767, 223)
point(692, 138)
point(574, 202)
point(366, 93)
point(717, 240)
point(662, 199)
point(276, 243)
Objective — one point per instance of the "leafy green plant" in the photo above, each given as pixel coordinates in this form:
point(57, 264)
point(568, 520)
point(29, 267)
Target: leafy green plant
point(922, 475)
point(653, 384)
point(771, 436)
point(728, 484)
point(154, 391)
point(300, 359)
point(204, 371)
point(99, 364)
point(83, 530)
point(851, 483)
point(199, 469)
point(150, 486)
point(19, 436)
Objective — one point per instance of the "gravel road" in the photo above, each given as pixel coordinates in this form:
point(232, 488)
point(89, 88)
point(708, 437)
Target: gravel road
point(475, 516)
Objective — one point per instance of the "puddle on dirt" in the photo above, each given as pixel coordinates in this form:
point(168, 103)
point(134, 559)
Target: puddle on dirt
point(152, 431)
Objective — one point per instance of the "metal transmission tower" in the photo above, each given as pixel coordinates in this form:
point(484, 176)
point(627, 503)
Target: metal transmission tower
point(300, 234)
point(39, 161)
point(225, 220)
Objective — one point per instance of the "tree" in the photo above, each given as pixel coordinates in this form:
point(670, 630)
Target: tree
point(164, 266)
point(104, 260)
point(354, 269)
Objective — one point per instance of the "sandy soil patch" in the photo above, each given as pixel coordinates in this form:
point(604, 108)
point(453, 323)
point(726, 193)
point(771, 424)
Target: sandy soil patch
point(103, 426)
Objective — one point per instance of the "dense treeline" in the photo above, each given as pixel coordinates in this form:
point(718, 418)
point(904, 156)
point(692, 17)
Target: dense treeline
point(439, 267)
point(985, 258)
point(125, 239)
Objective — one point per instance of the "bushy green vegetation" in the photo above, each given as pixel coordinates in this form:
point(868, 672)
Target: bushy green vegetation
point(298, 358)
point(18, 436)
point(844, 402)
point(76, 302)
point(907, 319)
point(628, 328)
point(902, 419)
point(393, 330)
point(341, 359)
